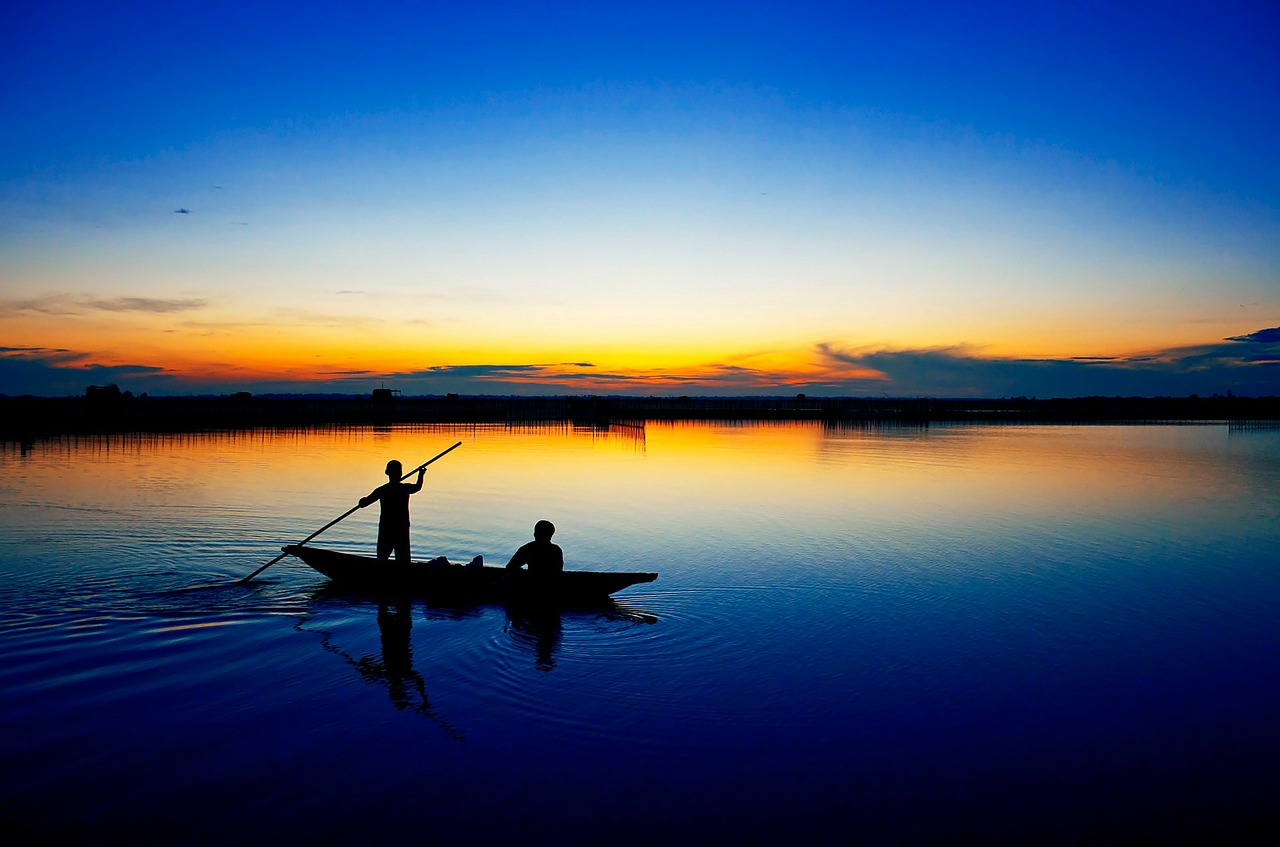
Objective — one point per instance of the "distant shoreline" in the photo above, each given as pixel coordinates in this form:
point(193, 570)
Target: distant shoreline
point(26, 418)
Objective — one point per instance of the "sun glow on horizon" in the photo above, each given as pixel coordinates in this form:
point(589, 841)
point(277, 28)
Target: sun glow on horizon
point(822, 203)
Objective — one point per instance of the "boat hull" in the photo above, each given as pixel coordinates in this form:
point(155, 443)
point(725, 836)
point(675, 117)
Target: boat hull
point(477, 582)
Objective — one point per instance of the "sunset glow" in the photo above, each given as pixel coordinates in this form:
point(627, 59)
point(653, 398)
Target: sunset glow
point(770, 199)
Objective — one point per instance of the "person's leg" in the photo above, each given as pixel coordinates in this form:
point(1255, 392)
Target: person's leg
point(386, 542)
point(402, 547)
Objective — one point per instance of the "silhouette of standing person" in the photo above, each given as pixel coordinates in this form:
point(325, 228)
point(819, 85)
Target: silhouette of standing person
point(393, 521)
point(542, 557)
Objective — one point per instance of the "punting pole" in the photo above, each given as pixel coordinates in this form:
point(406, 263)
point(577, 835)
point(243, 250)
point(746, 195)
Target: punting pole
point(344, 515)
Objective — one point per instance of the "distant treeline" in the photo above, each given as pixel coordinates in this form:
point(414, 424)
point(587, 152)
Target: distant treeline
point(107, 410)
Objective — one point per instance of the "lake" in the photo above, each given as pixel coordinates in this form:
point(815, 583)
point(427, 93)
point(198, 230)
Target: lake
point(879, 635)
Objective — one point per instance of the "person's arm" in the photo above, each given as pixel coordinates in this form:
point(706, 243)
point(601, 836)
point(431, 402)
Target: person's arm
point(372, 498)
point(519, 559)
point(417, 486)
point(559, 557)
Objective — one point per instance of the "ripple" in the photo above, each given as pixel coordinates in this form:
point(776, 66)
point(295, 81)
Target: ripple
point(653, 656)
point(906, 603)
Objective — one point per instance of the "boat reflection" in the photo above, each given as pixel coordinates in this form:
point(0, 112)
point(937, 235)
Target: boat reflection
point(535, 627)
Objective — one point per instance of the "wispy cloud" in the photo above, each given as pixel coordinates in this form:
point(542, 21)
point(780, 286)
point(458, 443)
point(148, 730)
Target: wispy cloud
point(579, 377)
point(72, 304)
point(278, 318)
point(481, 372)
point(147, 304)
point(50, 355)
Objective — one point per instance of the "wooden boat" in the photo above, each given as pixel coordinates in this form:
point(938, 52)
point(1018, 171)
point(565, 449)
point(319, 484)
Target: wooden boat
point(473, 581)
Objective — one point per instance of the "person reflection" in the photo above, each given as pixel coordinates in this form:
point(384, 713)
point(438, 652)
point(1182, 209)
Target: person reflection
point(539, 627)
point(394, 668)
point(394, 626)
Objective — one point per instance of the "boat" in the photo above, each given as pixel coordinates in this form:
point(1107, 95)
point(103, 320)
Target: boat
point(477, 581)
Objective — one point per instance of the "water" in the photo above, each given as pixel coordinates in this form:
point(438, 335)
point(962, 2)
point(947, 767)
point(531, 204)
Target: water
point(873, 635)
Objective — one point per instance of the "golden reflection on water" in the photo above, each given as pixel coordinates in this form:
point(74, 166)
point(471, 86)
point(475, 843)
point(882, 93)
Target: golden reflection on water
point(915, 603)
point(950, 469)
point(661, 478)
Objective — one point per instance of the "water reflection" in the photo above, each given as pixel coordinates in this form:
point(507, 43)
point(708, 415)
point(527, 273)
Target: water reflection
point(393, 668)
point(394, 625)
point(538, 629)
point(975, 630)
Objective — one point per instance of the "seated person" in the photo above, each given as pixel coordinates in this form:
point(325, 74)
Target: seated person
point(542, 557)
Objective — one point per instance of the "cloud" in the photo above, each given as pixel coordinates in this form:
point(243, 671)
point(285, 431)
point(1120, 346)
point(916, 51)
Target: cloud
point(1248, 368)
point(49, 355)
point(481, 372)
point(516, 378)
point(146, 304)
point(50, 304)
point(291, 318)
point(68, 304)
point(585, 377)
point(1247, 365)
point(56, 372)
point(1262, 336)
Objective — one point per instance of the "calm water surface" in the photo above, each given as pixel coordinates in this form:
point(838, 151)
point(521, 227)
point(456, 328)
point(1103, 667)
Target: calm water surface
point(858, 635)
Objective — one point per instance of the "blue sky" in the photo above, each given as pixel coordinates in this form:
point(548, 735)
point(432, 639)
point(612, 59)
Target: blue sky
point(705, 198)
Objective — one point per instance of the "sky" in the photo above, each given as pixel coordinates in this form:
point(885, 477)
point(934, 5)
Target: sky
point(885, 199)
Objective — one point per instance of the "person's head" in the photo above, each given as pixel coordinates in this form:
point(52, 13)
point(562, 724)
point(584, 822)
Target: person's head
point(543, 530)
point(394, 469)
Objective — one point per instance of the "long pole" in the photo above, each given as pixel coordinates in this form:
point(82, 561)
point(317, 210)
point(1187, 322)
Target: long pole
point(346, 514)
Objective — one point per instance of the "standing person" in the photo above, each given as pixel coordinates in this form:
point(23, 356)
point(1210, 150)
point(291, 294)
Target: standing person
point(393, 522)
point(542, 557)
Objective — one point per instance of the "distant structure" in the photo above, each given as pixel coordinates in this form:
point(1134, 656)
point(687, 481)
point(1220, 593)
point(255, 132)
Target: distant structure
point(385, 395)
point(106, 393)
